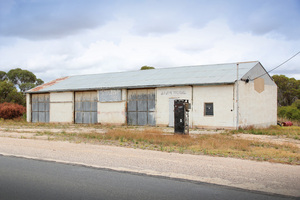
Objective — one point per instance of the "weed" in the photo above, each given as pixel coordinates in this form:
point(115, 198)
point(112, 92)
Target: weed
point(161, 147)
point(180, 150)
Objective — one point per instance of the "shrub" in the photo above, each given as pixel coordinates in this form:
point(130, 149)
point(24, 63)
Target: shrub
point(290, 112)
point(11, 110)
point(282, 111)
point(297, 104)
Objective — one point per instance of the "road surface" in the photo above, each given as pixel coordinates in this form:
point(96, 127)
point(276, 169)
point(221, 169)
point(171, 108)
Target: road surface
point(22, 178)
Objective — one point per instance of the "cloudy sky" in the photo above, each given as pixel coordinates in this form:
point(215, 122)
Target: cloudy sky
point(55, 38)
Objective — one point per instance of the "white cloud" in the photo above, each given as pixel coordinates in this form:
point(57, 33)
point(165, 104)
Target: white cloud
point(116, 46)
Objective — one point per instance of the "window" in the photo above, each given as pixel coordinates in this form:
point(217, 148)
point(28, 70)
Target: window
point(208, 109)
point(110, 95)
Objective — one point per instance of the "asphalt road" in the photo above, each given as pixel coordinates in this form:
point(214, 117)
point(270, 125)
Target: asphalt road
point(22, 178)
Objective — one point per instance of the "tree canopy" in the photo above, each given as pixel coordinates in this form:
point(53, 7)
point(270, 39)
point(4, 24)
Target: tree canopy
point(9, 93)
point(16, 79)
point(145, 67)
point(24, 79)
point(288, 90)
point(2, 75)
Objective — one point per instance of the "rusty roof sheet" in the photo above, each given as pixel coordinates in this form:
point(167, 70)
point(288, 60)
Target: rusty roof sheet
point(46, 85)
point(176, 76)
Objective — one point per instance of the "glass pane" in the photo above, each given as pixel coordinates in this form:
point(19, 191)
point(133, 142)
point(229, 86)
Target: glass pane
point(209, 109)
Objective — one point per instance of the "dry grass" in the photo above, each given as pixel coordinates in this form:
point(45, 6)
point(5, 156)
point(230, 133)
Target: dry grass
point(287, 131)
point(21, 122)
point(224, 145)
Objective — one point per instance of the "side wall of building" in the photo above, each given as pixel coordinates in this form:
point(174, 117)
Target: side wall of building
point(62, 107)
point(257, 99)
point(257, 105)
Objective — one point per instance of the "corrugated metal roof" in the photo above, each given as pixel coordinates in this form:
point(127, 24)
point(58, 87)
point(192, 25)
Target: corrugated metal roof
point(41, 87)
point(189, 75)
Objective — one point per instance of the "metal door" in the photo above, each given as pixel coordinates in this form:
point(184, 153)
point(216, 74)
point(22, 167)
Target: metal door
point(86, 107)
point(40, 107)
point(179, 115)
point(141, 107)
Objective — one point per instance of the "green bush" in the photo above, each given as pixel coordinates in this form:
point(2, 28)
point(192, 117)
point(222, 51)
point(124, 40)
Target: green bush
point(281, 111)
point(297, 104)
point(290, 112)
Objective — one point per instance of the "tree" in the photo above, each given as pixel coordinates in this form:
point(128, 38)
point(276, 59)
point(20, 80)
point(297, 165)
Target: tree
point(5, 89)
point(19, 76)
point(2, 75)
point(9, 93)
point(16, 79)
point(288, 90)
point(39, 82)
point(145, 67)
point(24, 79)
point(26, 86)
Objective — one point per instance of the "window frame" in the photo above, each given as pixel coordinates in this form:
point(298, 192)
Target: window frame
point(205, 111)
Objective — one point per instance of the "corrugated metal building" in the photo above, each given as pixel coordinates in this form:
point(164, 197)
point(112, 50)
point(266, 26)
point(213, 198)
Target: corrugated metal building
point(221, 96)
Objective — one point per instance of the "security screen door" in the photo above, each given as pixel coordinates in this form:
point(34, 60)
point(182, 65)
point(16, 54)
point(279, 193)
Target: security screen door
point(40, 107)
point(141, 107)
point(86, 107)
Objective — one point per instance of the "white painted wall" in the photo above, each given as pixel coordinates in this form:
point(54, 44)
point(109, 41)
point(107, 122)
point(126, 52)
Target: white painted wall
point(222, 98)
point(62, 107)
point(113, 112)
point(258, 109)
point(28, 107)
point(61, 97)
point(162, 101)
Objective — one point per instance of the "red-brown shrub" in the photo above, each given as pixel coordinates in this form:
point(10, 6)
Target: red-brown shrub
point(11, 110)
